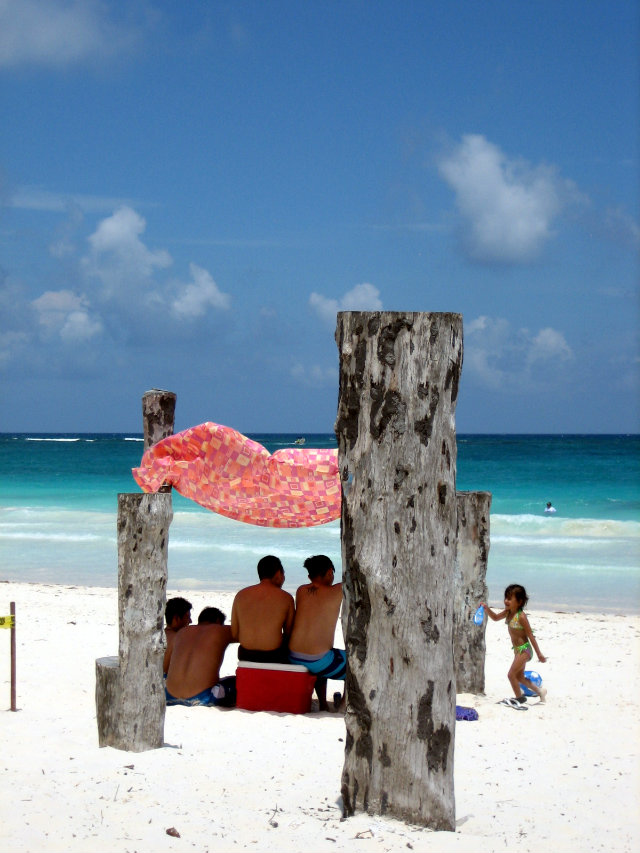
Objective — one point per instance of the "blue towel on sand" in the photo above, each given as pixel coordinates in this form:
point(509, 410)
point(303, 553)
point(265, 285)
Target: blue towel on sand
point(463, 713)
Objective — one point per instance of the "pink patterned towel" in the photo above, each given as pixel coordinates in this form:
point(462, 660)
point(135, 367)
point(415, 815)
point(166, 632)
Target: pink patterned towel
point(225, 471)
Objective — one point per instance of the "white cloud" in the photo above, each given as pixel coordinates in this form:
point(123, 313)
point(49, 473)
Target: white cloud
point(66, 314)
point(362, 297)
point(118, 256)
point(549, 345)
point(324, 308)
point(39, 199)
point(507, 207)
point(58, 32)
point(202, 293)
point(131, 274)
point(486, 343)
point(11, 343)
point(315, 375)
point(501, 357)
point(622, 227)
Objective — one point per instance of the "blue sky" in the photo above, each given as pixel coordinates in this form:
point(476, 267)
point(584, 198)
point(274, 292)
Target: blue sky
point(190, 191)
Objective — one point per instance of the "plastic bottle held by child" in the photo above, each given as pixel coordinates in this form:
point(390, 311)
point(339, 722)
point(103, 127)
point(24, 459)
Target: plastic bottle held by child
point(478, 616)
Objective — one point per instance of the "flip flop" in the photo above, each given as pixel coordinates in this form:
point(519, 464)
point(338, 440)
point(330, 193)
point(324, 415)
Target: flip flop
point(513, 703)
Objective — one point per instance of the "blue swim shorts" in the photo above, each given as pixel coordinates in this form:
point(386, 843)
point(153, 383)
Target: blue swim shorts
point(222, 694)
point(332, 664)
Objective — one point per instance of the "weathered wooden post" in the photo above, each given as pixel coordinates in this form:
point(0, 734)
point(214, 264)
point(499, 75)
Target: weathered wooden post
point(399, 376)
point(470, 589)
point(158, 415)
point(130, 703)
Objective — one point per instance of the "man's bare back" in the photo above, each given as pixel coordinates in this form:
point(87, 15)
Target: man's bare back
point(178, 615)
point(311, 642)
point(317, 611)
point(262, 614)
point(196, 658)
point(170, 635)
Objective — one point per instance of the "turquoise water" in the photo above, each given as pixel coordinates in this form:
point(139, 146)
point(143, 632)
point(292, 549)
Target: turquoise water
point(58, 504)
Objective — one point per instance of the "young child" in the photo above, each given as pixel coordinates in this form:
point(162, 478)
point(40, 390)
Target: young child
point(523, 641)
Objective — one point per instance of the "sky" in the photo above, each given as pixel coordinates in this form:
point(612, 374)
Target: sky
point(189, 192)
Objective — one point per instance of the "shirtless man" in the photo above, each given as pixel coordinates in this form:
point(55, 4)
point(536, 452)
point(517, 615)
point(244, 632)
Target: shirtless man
point(194, 664)
point(262, 616)
point(177, 614)
point(317, 609)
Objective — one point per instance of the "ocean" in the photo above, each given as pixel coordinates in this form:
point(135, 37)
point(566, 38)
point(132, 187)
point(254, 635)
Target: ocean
point(58, 508)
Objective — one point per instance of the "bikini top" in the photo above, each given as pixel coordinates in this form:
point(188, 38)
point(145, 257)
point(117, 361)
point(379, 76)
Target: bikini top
point(515, 622)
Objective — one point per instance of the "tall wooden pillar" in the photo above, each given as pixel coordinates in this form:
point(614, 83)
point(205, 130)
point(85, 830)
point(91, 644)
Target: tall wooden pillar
point(470, 589)
point(130, 702)
point(399, 375)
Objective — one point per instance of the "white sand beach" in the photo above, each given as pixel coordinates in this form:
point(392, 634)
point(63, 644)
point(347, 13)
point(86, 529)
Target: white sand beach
point(563, 776)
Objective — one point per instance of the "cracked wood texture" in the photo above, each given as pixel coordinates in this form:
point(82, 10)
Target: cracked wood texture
point(158, 415)
point(472, 555)
point(130, 701)
point(399, 375)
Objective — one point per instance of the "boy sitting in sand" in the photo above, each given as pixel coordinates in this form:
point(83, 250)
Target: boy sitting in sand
point(523, 641)
point(317, 610)
point(194, 665)
point(177, 614)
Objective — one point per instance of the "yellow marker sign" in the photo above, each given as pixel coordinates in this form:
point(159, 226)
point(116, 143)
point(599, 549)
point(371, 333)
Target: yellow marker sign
point(7, 621)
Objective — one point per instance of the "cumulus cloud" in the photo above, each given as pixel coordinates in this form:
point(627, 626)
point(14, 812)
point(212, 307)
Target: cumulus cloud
point(507, 207)
point(324, 308)
point(622, 228)
point(117, 290)
point(11, 344)
point(202, 293)
point(548, 345)
point(118, 257)
point(314, 375)
point(504, 358)
point(58, 32)
point(487, 343)
point(131, 274)
point(362, 297)
point(67, 315)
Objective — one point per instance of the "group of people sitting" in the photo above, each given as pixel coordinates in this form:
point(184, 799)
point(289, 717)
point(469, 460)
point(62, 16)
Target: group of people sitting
point(269, 628)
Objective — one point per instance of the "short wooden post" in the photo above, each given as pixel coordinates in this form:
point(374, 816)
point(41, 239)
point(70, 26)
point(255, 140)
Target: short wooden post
point(399, 376)
point(130, 703)
point(12, 611)
point(143, 538)
point(470, 589)
point(158, 415)
point(108, 705)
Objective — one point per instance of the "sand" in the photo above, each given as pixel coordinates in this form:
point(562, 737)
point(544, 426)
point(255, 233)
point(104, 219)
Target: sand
point(561, 776)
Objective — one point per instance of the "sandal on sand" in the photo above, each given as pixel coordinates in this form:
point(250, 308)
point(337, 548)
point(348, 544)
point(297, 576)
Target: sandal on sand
point(513, 703)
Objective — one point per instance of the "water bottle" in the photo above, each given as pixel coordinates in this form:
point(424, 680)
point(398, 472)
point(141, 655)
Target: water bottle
point(478, 616)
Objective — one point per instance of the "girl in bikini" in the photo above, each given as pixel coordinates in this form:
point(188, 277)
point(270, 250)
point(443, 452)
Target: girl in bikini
point(523, 642)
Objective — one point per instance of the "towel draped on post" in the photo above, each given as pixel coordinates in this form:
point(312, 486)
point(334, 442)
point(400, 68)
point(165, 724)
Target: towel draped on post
point(230, 474)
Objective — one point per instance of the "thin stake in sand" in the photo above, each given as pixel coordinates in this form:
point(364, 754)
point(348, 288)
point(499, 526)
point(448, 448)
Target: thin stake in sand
point(10, 622)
